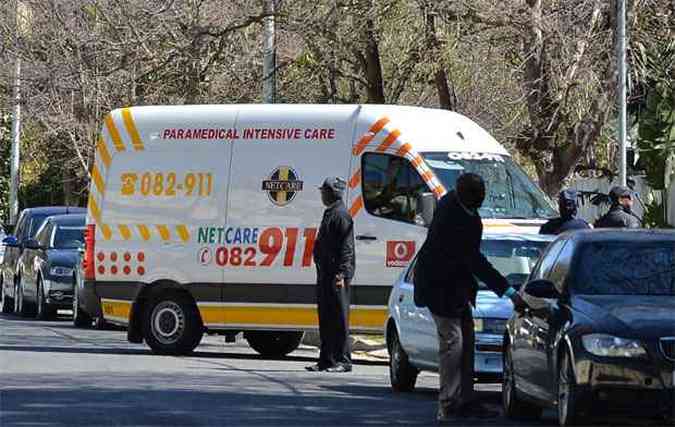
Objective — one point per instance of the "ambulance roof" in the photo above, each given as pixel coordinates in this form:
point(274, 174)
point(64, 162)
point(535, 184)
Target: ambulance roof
point(434, 130)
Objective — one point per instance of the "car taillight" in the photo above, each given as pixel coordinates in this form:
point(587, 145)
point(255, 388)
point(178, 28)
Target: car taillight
point(89, 250)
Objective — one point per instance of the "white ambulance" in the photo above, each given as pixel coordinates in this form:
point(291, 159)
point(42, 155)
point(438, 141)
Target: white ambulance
point(204, 217)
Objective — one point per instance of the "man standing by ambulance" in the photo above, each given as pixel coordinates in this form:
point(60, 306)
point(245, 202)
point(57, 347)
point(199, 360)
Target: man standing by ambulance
point(445, 281)
point(334, 259)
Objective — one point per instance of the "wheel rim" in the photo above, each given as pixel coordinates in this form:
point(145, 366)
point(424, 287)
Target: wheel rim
point(395, 359)
point(507, 394)
point(168, 322)
point(563, 393)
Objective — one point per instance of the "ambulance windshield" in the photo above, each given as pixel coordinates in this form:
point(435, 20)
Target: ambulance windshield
point(510, 192)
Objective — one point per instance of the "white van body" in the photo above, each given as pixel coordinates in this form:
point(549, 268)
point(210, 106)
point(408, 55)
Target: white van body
point(220, 203)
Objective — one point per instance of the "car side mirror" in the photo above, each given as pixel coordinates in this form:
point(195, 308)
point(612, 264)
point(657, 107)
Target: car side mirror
point(10, 242)
point(542, 288)
point(426, 205)
point(32, 244)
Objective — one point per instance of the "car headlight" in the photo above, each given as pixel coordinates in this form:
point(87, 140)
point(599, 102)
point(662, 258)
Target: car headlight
point(611, 346)
point(61, 271)
point(478, 325)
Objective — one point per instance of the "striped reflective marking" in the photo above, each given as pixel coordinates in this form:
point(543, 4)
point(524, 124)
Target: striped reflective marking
point(93, 209)
point(124, 231)
point(183, 232)
point(405, 149)
point(356, 206)
point(113, 132)
point(98, 181)
point(145, 232)
point(131, 129)
point(372, 131)
point(389, 140)
point(164, 232)
point(282, 315)
point(106, 231)
point(103, 153)
point(355, 180)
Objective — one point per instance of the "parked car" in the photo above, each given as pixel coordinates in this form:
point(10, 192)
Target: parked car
point(27, 226)
point(600, 334)
point(47, 266)
point(411, 332)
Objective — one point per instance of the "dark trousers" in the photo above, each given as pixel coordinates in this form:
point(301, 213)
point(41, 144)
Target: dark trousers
point(456, 340)
point(333, 307)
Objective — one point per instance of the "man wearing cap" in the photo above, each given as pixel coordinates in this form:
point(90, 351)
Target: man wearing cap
point(620, 214)
point(445, 277)
point(567, 204)
point(334, 259)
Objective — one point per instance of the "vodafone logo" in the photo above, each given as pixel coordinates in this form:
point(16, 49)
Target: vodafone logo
point(205, 256)
point(399, 253)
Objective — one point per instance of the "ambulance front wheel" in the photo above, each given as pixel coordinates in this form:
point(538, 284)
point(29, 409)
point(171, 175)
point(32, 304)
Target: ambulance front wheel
point(273, 344)
point(172, 325)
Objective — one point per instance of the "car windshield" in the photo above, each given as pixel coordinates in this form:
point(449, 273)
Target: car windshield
point(510, 192)
point(68, 237)
point(622, 268)
point(514, 259)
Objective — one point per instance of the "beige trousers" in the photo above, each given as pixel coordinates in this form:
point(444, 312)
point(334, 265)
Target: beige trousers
point(455, 351)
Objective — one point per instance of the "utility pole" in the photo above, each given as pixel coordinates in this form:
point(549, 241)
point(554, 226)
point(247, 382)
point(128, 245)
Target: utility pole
point(269, 54)
point(16, 124)
point(621, 60)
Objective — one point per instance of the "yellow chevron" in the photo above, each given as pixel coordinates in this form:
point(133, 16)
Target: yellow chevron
point(132, 130)
point(98, 181)
point(183, 232)
point(103, 152)
point(114, 133)
point(164, 232)
point(124, 231)
point(145, 232)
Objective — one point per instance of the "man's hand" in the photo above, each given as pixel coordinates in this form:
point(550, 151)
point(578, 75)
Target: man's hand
point(519, 303)
point(339, 282)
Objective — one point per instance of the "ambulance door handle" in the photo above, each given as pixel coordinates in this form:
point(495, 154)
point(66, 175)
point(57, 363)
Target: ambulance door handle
point(364, 237)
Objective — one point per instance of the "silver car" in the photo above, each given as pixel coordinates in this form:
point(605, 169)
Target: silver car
point(411, 332)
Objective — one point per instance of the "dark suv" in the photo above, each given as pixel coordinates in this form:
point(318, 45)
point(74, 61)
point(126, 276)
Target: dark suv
point(29, 222)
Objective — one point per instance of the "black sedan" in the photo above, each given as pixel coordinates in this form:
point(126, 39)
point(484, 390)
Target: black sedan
point(48, 266)
point(599, 336)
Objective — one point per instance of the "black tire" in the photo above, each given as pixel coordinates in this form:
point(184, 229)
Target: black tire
point(6, 303)
point(21, 306)
point(514, 406)
point(80, 317)
point(172, 325)
point(402, 374)
point(43, 310)
point(274, 344)
point(571, 410)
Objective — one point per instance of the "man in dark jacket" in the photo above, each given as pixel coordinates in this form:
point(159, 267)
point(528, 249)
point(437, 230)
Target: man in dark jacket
point(620, 214)
point(567, 204)
point(334, 259)
point(446, 265)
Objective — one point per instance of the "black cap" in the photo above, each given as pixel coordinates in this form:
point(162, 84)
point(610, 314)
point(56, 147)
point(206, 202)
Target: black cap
point(620, 191)
point(334, 183)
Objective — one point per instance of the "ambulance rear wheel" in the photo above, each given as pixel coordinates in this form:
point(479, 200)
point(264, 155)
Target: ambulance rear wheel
point(272, 344)
point(172, 324)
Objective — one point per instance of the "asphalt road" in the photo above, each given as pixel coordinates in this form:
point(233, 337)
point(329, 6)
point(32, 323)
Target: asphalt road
point(52, 374)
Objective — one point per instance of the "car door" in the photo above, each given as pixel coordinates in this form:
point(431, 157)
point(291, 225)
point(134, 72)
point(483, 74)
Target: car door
point(12, 254)
point(527, 334)
point(29, 262)
point(549, 322)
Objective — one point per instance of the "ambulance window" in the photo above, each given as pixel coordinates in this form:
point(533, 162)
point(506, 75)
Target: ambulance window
point(390, 187)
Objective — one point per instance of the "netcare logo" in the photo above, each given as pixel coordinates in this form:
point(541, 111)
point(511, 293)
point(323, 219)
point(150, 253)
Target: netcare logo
point(282, 185)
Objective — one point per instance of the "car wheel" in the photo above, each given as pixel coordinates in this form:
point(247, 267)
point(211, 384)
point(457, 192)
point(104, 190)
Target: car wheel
point(6, 303)
point(80, 318)
point(172, 324)
point(44, 311)
point(402, 374)
point(570, 411)
point(514, 406)
point(274, 344)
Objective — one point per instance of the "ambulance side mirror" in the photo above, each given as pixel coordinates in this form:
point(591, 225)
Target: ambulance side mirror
point(426, 205)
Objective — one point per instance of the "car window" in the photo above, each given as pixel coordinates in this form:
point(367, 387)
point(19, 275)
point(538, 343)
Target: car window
point(513, 258)
point(44, 234)
point(390, 187)
point(562, 267)
point(546, 263)
point(68, 237)
point(35, 223)
point(20, 226)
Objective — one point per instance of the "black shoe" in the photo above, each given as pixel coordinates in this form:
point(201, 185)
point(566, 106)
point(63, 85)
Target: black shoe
point(340, 368)
point(476, 410)
point(317, 367)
